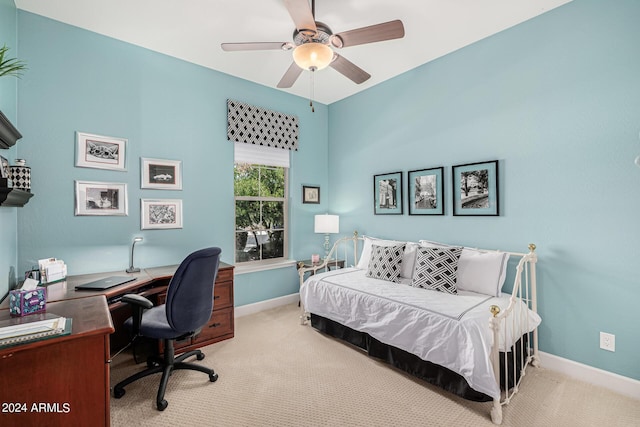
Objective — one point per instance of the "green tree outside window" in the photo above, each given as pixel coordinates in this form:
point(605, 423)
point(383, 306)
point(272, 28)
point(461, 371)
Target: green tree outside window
point(260, 211)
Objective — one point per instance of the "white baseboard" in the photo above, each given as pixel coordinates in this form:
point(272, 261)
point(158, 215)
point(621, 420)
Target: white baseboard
point(618, 383)
point(245, 310)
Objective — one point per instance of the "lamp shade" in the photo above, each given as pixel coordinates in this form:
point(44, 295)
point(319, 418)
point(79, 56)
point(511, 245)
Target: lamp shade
point(312, 56)
point(327, 224)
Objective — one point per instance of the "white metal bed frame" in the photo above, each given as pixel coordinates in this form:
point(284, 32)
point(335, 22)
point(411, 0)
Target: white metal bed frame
point(523, 295)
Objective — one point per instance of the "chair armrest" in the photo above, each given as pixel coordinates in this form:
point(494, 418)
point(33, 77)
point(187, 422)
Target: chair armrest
point(138, 305)
point(138, 300)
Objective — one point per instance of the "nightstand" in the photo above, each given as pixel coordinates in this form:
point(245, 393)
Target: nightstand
point(339, 263)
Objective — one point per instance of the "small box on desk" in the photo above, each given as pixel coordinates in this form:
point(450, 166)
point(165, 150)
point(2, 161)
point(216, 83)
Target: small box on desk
point(24, 302)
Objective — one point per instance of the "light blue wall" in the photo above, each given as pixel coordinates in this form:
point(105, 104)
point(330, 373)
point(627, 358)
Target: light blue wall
point(556, 101)
point(166, 108)
point(8, 98)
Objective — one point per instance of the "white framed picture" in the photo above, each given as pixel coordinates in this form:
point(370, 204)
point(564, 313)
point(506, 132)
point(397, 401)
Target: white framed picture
point(101, 198)
point(161, 213)
point(161, 174)
point(100, 152)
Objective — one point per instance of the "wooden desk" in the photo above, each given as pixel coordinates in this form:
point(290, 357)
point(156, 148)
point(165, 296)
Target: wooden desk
point(67, 377)
point(61, 381)
point(147, 278)
point(152, 283)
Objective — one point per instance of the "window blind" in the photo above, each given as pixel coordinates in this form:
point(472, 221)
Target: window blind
point(257, 154)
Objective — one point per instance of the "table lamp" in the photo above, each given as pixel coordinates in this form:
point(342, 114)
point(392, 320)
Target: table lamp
point(131, 268)
point(327, 224)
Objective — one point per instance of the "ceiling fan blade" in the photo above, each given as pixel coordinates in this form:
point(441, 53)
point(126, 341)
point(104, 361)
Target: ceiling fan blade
point(349, 69)
point(302, 16)
point(236, 47)
point(374, 33)
point(290, 76)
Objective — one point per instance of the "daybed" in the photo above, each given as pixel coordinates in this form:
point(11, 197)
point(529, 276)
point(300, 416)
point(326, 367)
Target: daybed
point(434, 310)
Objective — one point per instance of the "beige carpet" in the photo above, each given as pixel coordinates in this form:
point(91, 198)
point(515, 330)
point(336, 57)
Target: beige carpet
point(278, 373)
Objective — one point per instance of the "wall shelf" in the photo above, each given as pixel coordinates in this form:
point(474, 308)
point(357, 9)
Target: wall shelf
point(8, 133)
point(12, 197)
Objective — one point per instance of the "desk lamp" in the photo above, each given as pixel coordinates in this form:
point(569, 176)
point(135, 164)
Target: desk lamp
point(327, 224)
point(131, 268)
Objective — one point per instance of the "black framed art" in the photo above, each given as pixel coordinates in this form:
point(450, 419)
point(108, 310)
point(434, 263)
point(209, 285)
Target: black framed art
point(475, 189)
point(310, 194)
point(387, 194)
point(425, 190)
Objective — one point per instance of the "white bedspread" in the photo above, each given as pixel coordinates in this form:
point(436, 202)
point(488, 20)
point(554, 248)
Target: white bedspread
point(449, 330)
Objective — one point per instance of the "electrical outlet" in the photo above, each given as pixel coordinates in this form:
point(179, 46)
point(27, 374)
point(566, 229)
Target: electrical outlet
point(607, 341)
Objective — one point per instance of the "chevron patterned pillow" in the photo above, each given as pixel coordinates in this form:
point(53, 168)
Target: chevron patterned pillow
point(437, 268)
point(386, 262)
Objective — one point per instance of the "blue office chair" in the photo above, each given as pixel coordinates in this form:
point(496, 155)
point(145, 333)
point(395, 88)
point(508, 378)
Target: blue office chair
point(187, 309)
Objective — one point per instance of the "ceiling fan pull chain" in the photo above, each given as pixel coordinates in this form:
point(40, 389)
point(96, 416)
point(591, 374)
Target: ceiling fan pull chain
point(311, 94)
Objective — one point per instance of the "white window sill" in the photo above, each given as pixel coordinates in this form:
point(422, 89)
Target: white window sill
point(242, 268)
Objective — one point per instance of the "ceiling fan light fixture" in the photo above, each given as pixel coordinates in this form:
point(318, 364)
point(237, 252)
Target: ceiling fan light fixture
point(313, 56)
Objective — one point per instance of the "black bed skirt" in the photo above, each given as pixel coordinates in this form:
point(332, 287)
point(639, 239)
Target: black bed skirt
point(413, 365)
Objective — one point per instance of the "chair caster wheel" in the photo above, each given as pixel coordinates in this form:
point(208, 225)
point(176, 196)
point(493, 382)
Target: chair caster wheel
point(162, 405)
point(118, 392)
point(200, 356)
point(213, 377)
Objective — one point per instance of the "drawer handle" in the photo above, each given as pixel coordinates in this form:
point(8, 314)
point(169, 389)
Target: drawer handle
point(216, 297)
point(215, 325)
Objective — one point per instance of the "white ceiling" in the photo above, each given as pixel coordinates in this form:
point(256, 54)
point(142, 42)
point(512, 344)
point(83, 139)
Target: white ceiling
point(192, 30)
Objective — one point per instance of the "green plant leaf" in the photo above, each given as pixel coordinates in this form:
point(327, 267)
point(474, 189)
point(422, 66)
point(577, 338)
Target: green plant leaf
point(10, 66)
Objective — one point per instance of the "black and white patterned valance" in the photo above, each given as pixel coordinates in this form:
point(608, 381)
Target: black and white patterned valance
point(255, 125)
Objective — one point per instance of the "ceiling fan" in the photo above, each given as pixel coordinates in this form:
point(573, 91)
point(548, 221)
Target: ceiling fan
point(314, 43)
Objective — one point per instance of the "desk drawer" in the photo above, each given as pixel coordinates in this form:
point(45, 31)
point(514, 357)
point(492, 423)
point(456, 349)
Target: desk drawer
point(222, 295)
point(224, 275)
point(220, 324)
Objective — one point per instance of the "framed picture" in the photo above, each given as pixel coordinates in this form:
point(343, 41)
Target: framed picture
point(310, 194)
point(161, 174)
point(5, 171)
point(100, 152)
point(101, 198)
point(475, 189)
point(161, 213)
point(425, 189)
point(387, 194)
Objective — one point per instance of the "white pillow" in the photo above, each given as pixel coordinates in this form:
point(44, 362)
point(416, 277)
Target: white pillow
point(408, 260)
point(483, 272)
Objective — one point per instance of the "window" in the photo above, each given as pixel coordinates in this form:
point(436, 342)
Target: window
point(261, 211)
